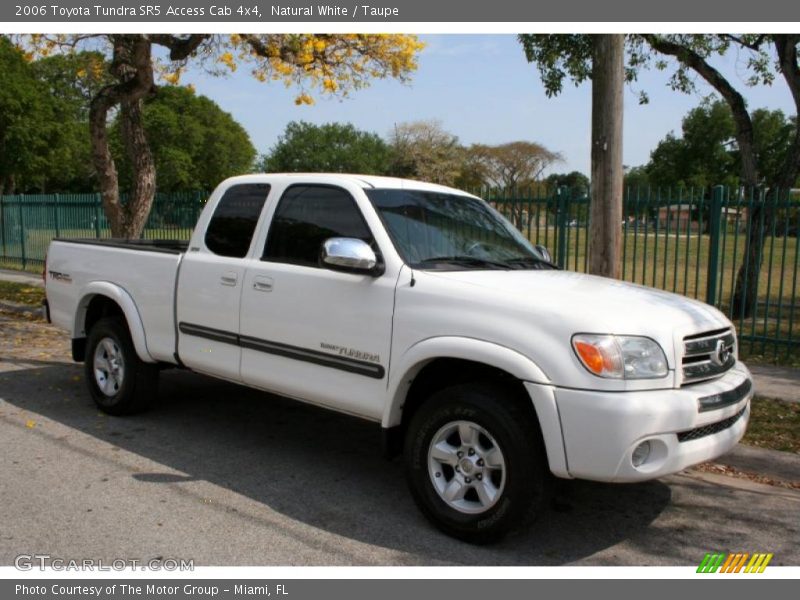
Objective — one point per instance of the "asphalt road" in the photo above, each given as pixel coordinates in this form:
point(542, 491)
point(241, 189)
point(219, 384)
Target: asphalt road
point(228, 476)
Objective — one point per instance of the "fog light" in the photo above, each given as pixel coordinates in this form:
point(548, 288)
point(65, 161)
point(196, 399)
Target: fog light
point(640, 454)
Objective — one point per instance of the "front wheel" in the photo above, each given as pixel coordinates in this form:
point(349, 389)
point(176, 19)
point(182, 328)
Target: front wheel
point(120, 383)
point(475, 462)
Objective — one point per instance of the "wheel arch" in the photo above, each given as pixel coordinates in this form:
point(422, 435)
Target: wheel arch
point(101, 299)
point(449, 350)
point(458, 360)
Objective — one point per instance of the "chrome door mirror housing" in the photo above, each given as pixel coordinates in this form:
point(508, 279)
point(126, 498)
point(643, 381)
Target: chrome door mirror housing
point(351, 255)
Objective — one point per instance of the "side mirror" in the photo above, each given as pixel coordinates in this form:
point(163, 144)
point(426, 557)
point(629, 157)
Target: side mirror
point(544, 252)
point(350, 255)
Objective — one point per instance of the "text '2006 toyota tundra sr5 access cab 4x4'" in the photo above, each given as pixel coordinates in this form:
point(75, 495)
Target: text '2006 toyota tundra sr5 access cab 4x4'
point(418, 307)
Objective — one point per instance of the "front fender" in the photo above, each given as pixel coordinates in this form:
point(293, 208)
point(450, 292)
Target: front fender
point(537, 385)
point(125, 302)
point(404, 370)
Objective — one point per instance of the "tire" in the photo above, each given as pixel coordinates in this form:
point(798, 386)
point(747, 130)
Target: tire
point(119, 382)
point(494, 494)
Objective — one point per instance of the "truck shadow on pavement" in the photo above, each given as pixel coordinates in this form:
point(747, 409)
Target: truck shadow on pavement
point(325, 470)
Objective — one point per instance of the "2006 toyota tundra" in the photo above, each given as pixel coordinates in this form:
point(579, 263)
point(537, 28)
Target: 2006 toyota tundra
point(419, 307)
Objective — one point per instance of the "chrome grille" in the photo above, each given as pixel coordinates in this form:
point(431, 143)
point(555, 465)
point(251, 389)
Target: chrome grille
point(707, 355)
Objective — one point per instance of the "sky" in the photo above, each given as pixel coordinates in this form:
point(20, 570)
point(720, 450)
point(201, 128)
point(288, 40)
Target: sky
point(484, 91)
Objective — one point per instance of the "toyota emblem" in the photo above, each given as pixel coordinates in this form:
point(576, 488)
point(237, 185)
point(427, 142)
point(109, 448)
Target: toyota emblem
point(720, 355)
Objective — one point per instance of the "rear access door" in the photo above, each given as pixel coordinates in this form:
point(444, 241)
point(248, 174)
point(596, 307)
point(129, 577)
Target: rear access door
point(210, 283)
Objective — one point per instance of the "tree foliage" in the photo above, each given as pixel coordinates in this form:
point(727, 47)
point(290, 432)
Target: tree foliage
point(329, 63)
point(701, 156)
point(331, 147)
point(513, 164)
point(195, 143)
point(706, 154)
point(425, 150)
point(70, 80)
point(577, 182)
point(28, 128)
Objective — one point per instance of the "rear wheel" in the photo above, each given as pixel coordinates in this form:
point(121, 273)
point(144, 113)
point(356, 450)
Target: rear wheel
point(475, 462)
point(119, 382)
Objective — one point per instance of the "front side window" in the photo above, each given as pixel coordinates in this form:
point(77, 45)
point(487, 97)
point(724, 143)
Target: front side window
point(306, 216)
point(433, 230)
point(234, 221)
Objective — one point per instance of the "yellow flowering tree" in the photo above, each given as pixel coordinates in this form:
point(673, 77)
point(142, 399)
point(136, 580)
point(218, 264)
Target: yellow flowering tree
point(315, 63)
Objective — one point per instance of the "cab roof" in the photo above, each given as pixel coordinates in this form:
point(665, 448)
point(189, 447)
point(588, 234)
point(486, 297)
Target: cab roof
point(363, 181)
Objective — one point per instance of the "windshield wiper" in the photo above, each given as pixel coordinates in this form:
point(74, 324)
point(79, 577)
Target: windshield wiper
point(531, 260)
point(467, 261)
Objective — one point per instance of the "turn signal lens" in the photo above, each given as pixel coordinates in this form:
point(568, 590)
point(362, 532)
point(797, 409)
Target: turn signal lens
point(600, 354)
point(590, 356)
point(620, 356)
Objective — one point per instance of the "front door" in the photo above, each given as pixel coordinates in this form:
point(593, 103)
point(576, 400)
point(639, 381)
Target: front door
point(309, 332)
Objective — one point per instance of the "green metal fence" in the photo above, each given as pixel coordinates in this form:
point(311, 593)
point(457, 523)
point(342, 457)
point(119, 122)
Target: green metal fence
point(28, 223)
point(689, 241)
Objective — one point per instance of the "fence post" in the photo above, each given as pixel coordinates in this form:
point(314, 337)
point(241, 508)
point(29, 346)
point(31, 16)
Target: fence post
point(22, 233)
point(97, 204)
point(3, 225)
point(561, 226)
point(714, 219)
point(55, 215)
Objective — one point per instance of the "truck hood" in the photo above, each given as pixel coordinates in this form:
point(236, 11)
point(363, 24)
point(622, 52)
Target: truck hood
point(599, 303)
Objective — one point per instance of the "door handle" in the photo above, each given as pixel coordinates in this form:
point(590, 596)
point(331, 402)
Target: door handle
point(230, 278)
point(263, 284)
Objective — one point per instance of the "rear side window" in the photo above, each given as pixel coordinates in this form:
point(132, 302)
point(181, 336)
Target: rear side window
point(306, 216)
point(234, 221)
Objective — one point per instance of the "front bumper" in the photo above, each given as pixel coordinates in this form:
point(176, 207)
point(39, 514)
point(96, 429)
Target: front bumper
point(600, 430)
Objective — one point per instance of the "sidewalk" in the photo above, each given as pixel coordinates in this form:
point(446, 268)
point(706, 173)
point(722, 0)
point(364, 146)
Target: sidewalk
point(21, 277)
point(782, 383)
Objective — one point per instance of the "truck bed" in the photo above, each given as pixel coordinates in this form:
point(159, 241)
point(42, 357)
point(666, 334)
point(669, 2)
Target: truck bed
point(145, 270)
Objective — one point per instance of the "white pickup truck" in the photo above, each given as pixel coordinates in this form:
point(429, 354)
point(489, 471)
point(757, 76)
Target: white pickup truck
point(418, 307)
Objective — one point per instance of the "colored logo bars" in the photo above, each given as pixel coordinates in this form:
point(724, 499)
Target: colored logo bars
point(734, 563)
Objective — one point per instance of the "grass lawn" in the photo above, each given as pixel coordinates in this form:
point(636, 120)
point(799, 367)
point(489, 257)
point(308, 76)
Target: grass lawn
point(19, 293)
point(774, 424)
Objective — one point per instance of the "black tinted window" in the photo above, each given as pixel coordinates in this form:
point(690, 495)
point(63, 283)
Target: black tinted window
point(306, 217)
point(235, 218)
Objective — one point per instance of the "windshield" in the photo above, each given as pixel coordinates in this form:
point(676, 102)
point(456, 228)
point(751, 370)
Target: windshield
point(433, 230)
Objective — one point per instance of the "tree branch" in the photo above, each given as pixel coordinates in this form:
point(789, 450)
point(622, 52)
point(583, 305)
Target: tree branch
point(786, 45)
point(179, 47)
point(744, 125)
point(754, 46)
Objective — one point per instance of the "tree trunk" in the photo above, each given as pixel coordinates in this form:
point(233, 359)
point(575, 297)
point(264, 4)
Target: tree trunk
point(745, 294)
point(605, 214)
point(104, 164)
point(745, 297)
point(132, 67)
point(143, 186)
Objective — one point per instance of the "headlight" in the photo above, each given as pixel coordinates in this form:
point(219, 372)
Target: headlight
point(620, 356)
